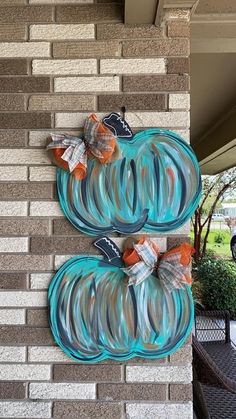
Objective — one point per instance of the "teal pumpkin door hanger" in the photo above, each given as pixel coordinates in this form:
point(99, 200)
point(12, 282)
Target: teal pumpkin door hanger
point(108, 182)
point(119, 307)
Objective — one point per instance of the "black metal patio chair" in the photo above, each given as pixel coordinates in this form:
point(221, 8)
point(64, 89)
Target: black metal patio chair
point(214, 366)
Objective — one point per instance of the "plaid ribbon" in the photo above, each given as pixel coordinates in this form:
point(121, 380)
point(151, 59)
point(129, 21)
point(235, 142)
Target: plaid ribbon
point(76, 149)
point(138, 272)
point(170, 271)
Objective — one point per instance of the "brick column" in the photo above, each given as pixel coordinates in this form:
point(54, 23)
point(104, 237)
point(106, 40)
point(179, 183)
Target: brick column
point(59, 62)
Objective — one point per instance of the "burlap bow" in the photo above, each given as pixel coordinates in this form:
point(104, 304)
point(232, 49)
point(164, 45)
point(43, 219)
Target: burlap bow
point(172, 268)
point(98, 141)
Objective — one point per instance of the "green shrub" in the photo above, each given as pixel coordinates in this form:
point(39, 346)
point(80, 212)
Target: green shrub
point(197, 291)
point(219, 238)
point(218, 277)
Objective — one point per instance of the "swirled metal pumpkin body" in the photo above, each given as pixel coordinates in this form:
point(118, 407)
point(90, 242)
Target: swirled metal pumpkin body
point(94, 315)
point(156, 187)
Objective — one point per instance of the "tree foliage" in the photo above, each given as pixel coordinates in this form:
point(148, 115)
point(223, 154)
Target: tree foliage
point(214, 190)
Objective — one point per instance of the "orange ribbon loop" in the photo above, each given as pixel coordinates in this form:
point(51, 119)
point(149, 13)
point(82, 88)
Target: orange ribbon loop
point(173, 268)
point(71, 152)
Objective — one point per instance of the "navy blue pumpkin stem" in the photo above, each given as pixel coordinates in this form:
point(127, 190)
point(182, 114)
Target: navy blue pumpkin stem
point(117, 125)
point(110, 250)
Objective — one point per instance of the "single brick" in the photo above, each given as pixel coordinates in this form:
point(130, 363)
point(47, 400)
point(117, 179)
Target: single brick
point(93, 410)
point(47, 354)
point(87, 84)
point(132, 392)
point(65, 67)
point(24, 262)
point(62, 391)
point(63, 32)
point(23, 299)
point(24, 156)
point(45, 209)
point(179, 101)
point(41, 138)
point(13, 173)
point(25, 14)
point(178, 29)
point(178, 66)
point(121, 31)
point(132, 66)
point(158, 119)
point(62, 245)
point(13, 67)
point(12, 138)
point(162, 374)
point(12, 390)
point(13, 280)
point(182, 355)
point(13, 244)
point(142, 361)
point(43, 174)
point(24, 49)
point(156, 48)
point(27, 227)
point(62, 103)
point(25, 335)
point(25, 120)
point(85, 49)
point(159, 410)
point(25, 409)
point(64, 227)
point(174, 241)
point(185, 134)
point(37, 318)
point(166, 82)
point(13, 209)
point(179, 14)
point(132, 102)
point(19, 372)
point(12, 316)
point(12, 354)
point(184, 230)
point(40, 280)
point(59, 260)
point(25, 191)
point(95, 373)
point(90, 13)
point(11, 32)
point(181, 392)
point(71, 120)
point(12, 103)
point(25, 85)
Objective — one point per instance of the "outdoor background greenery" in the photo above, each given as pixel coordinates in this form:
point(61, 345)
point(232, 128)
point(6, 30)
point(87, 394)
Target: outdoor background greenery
point(215, 283)
point(219, 242)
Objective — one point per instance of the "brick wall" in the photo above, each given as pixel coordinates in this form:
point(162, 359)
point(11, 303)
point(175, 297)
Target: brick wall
point(58, 62)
